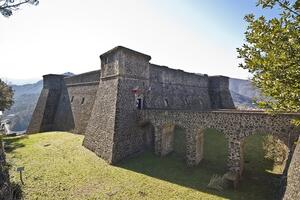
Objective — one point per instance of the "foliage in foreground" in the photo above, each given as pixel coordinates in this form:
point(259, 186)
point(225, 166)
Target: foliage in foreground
point(8, 190)
point(6, 96)
point(272, 54)
point(275, 150)
point(216, 182)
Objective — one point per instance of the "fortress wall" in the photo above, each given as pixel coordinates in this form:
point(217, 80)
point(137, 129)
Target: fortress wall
point(176, 89)
point(65, 103)
point(91, 76)
point(76, 102)
point(101, 125)
point(219, 93)
point(293, 179)
point(44, 114)
point(128, 137)
point(75, 107)
point(38, 113)
point(166, 75)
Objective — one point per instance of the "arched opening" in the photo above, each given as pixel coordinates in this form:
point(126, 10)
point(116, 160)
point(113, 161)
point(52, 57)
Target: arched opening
point(179, 142)
point(263, 161)
point(215, 151)
point(173, 140)
point(148, 136)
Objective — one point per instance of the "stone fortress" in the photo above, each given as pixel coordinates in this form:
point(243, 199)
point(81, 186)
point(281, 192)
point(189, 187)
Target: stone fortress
point(131, 105)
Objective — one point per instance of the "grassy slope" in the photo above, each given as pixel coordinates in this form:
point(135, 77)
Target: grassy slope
point(58, 167)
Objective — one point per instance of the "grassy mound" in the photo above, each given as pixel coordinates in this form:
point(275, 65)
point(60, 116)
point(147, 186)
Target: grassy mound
point(57, 166)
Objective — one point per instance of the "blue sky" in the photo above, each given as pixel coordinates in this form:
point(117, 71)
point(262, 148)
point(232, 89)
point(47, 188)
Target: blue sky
point(59, 36)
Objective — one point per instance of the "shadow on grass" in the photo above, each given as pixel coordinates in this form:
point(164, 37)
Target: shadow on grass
point(172, 169)
point(13, 143)
point(256, 184)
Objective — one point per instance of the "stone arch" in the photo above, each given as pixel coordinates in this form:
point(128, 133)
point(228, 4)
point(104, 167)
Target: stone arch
point(167, 138)
point(179, 142)
point(172, 136)
point(285, 137)
point(260, 133)
point(215, 144)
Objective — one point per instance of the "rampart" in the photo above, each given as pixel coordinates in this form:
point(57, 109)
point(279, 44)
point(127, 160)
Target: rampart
point(132, 105)
point(105, 105)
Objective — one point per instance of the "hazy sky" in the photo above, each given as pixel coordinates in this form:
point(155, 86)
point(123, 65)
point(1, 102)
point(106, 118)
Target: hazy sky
point(58, 36)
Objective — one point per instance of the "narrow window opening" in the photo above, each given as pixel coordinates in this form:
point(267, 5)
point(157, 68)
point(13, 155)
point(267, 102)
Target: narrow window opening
point(82, 100)
point(72, 98)
point(166, 102)
point(139, 103)
point(186, 101)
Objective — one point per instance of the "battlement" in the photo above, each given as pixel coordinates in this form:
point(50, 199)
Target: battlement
point(88, 77)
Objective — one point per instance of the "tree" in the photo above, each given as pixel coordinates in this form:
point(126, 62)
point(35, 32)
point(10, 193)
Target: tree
point(8, 6)
point(272, 54)
point(6, 96)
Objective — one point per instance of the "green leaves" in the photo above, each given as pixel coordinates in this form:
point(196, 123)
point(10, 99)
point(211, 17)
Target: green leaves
point(6, 96)
point(272, 54)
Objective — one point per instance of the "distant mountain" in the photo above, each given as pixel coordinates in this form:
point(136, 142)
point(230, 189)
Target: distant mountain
point(244, 93)
point(68, 74)
point(25, 99)
point(34, 88)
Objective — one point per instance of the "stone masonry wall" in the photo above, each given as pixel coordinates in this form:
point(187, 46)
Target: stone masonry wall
point(235, 125)
point(88, 77)
point(100, 130)
point(75, 107)
point(128, 137)
point(44, 114)
point(219, 93)
point(65, 103)
point(176, 89)
point(38, 114)
point(293, 180)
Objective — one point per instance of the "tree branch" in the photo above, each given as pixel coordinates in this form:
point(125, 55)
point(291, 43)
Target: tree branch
point(288, 8)
point(14, 5)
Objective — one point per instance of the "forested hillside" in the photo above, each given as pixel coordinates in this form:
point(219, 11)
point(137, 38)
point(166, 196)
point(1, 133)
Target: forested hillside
point(244, 93)
point(25, 97)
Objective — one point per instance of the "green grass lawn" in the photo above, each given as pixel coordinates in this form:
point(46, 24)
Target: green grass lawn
point(57, 166)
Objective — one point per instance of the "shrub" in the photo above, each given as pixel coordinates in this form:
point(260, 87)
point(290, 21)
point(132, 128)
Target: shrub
point(275, 150)
point(216, 182)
